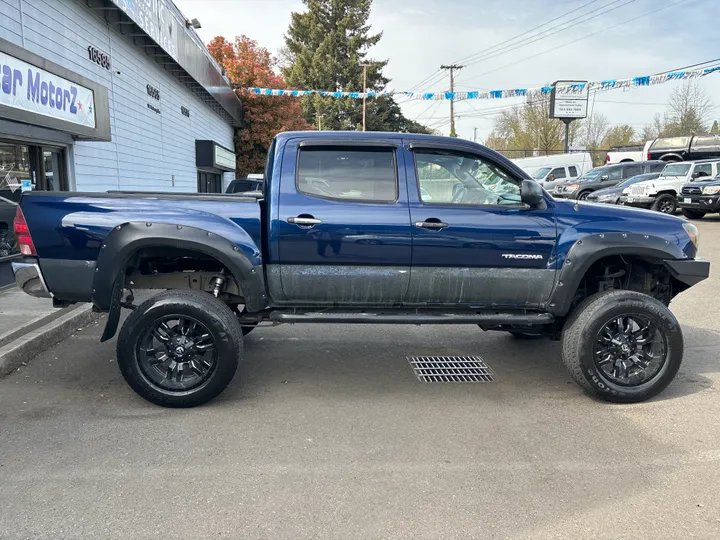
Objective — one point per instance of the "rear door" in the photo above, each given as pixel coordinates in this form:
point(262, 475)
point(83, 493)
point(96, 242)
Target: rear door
point(474, 242)
point(343, 228)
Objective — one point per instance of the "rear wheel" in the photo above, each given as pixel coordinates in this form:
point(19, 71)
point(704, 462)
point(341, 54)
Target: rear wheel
point(622, 346)
point(665, 203)
point(693, 214)
point(180, 348)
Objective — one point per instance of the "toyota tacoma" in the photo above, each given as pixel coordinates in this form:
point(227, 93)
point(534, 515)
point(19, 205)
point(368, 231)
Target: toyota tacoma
point(365, 228)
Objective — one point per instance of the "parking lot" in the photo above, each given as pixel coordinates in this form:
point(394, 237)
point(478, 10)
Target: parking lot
point(326, 433)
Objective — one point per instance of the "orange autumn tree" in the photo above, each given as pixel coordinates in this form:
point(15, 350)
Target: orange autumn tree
point(248, 65)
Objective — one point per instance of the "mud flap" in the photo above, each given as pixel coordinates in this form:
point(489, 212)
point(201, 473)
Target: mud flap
point(113, 313)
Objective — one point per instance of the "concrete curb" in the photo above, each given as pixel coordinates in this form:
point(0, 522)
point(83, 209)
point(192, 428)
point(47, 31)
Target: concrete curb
point(26, 347)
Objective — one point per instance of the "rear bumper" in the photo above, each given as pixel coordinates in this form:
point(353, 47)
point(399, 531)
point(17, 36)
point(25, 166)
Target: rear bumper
point(690, 271)
point(29, 278)
point(704, 203)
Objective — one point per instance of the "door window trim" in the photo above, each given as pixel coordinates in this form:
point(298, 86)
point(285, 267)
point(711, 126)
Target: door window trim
point(414, 148)
point(345, 145)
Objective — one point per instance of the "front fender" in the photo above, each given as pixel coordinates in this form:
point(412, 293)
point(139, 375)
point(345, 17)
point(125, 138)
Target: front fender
point(591, 248)
point(124, 240)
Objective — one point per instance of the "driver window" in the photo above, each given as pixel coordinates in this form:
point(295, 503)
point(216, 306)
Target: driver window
point(453, 178)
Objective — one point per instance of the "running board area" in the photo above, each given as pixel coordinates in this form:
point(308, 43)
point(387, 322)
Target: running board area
point(490, 318)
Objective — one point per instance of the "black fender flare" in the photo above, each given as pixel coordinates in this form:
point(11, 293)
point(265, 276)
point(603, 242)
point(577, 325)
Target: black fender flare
point(589, 249)
point(124, 240)
point(674, 156)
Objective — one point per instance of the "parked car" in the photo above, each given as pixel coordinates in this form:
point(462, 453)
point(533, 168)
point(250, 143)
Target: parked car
point(623, 154)
point(253, 182)
point(581, 161)
point(699, 198)
point(661, 194)
point(611, 195)
point(687, 148)
point(603, 177)
point(491, 248)
point(551, 176)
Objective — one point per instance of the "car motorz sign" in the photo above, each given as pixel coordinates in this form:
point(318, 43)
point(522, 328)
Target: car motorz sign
point(26, 87)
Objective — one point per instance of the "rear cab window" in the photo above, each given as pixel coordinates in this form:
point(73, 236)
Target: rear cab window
point(572, 170)
point(361, 174)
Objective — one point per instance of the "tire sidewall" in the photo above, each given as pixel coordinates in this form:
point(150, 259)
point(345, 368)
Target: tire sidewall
point(666, 323)
point(229, 351)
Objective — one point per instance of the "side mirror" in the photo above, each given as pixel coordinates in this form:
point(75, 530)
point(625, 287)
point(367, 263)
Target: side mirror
point(531, 194)
point(604, 177)
point(699, 174)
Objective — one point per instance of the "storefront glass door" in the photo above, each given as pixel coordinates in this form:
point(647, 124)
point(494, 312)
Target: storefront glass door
point(43, 166)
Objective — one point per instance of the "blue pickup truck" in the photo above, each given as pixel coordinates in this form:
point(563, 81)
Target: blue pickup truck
point(365, 228)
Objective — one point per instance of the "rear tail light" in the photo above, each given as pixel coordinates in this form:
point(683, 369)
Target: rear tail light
point(22, 233)
point(648, 156)
point(607, 158)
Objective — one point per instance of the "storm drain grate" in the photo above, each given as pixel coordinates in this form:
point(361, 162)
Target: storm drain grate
point(451, 369)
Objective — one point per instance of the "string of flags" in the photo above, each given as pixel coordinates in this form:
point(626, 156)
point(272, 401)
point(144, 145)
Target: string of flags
point(533, 93)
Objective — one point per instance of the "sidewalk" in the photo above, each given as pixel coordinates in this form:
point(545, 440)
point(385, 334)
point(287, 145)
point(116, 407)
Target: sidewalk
point(29, 326)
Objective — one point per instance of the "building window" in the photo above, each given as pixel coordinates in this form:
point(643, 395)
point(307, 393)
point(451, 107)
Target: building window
point(209, 182)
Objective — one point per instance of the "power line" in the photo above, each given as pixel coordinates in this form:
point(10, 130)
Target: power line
point(472, 57)
point(562, 26)
point(544, 33)
point(581, 38)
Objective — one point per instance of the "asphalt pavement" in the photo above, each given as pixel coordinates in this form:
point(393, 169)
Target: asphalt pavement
point(326, 433)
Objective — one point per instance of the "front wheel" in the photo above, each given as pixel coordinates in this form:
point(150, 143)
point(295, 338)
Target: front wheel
point(693, 214)
point(180, 348)
point(665, 203)
point(584, 195)
point(622, 346)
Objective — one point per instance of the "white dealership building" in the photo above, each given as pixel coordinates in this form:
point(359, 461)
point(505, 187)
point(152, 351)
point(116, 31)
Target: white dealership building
point(101, 95)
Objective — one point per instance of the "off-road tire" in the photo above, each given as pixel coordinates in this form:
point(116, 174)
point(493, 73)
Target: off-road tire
point(580, 332)
point(663, 201)
point(217, 317)
point(693, 214)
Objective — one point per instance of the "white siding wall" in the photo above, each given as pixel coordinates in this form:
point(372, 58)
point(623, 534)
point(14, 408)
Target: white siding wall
point(10, 27)
point(147, 148)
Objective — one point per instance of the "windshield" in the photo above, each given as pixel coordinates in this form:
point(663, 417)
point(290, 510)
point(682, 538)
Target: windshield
point(592, 173)
point(676, 169)
point(540, 173)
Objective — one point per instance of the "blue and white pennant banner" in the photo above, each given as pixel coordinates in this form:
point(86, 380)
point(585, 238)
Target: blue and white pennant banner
point(533, 93)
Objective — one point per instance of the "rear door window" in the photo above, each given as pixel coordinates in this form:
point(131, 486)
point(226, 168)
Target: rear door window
point(573, 171)
point(632, 170)
point(355, 173)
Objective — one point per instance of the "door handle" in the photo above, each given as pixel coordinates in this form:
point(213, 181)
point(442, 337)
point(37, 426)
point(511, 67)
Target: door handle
point(303, 220)
point(432, 223)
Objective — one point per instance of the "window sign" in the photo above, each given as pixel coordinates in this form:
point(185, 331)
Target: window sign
point(29, 88)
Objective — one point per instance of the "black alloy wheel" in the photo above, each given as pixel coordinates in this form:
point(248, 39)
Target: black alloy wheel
point(177, 353)
point(665, 203)
point(630, 350)
point(583, 196)
point(180, 348)
point(622, 346)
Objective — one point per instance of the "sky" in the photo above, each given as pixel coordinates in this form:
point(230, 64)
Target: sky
point(587, 40)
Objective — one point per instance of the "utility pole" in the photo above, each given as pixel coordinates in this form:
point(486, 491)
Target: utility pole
point(452, 69)
point(474, 134)
point(318, 119)
point(364, 66)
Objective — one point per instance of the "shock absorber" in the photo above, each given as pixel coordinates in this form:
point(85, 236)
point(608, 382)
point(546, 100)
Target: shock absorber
point(219, 280)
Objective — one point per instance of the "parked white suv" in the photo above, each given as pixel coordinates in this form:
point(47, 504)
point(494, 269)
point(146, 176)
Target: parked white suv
point(660, 194)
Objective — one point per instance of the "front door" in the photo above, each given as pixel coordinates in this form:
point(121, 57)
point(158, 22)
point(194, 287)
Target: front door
point(474, 242)
point(343, 227)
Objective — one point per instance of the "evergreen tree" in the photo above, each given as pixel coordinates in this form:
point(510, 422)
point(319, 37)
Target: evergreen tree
point(325, 46)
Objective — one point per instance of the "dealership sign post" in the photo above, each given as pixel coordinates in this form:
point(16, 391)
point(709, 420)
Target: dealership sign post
point(568, 102)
